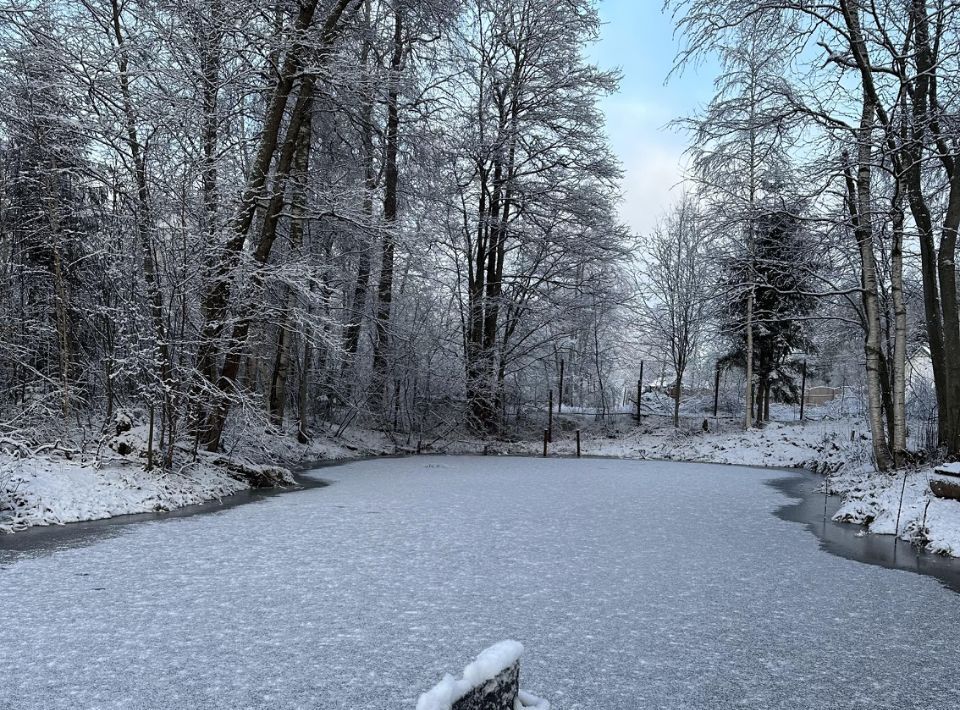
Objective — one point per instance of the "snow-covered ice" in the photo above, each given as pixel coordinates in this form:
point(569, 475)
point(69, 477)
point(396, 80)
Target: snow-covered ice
point(630, 584)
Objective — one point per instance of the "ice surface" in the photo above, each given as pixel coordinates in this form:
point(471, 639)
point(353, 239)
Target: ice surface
point(631, 585)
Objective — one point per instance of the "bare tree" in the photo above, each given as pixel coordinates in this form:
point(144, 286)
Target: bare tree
point(674, 295)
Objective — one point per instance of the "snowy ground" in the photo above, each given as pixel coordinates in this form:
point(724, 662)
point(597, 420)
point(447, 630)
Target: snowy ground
point(631, 585)
point(53, 488)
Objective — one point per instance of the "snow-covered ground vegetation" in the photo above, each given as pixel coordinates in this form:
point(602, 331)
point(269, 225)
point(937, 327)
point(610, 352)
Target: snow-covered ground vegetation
point(108, 476)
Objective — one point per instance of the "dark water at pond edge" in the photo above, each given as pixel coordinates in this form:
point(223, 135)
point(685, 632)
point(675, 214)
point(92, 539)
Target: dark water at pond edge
point(45, 539)
point(815, 510)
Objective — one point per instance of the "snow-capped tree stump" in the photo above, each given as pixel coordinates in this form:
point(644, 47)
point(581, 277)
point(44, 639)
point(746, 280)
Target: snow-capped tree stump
point(498, 693)
point(491, 682)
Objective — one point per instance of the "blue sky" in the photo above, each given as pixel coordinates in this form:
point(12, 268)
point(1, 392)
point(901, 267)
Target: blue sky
point(639, 39)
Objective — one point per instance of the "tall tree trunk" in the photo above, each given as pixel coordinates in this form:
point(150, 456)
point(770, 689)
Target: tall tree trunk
point(304, 385)
point(749, 356)
point(226, 383)
point(216, 298)
point(60, 289)
point(677, 394)
point(358, 308)
point(899, 430)
point(860, 204)
point(144, 219)
point(381, 346)
point(298, 218)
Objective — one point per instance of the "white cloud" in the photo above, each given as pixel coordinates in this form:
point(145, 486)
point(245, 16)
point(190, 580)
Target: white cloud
point(652, 181)
point(651, 154)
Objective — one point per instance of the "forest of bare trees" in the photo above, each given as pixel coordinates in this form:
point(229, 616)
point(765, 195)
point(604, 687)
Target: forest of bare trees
point(843, 115)
point(229, 214)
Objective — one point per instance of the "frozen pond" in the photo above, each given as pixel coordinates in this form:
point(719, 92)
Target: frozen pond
point(632, 585)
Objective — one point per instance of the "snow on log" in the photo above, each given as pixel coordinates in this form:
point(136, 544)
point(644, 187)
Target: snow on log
point(491, 682)
point(949, 469)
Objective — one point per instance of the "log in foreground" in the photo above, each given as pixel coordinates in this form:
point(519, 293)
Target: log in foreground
point(945, 489)
point(491, 682)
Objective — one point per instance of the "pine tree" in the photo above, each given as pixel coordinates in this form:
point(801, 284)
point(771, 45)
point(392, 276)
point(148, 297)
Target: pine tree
point(781, 273)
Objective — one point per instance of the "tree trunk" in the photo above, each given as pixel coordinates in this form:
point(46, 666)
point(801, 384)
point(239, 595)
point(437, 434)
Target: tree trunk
point(678, 393)
point(860, 206)
point(144, 220)
point(226, 383)
point(351, 334)
point(302, 403)
point(298, 217)
point(216, 298)
point(899, 430)
point(912, 172)
point(381, 346)
point(749, 349)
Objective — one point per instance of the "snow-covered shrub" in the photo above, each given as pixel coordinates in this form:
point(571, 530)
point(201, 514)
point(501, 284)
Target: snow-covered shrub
point(128, 433)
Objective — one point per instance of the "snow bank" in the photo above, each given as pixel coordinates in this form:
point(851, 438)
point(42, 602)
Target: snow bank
point(531, 702)
point(899, 504)
point(50, 491)
point(52, 485)
point(487, 666)
point(952, 468)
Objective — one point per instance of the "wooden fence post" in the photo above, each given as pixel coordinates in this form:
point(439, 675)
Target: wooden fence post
point(803, 387)
point(639, 391)
point(716, 391)
point(578, 443)
point(550, 417)
point(560, 400)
